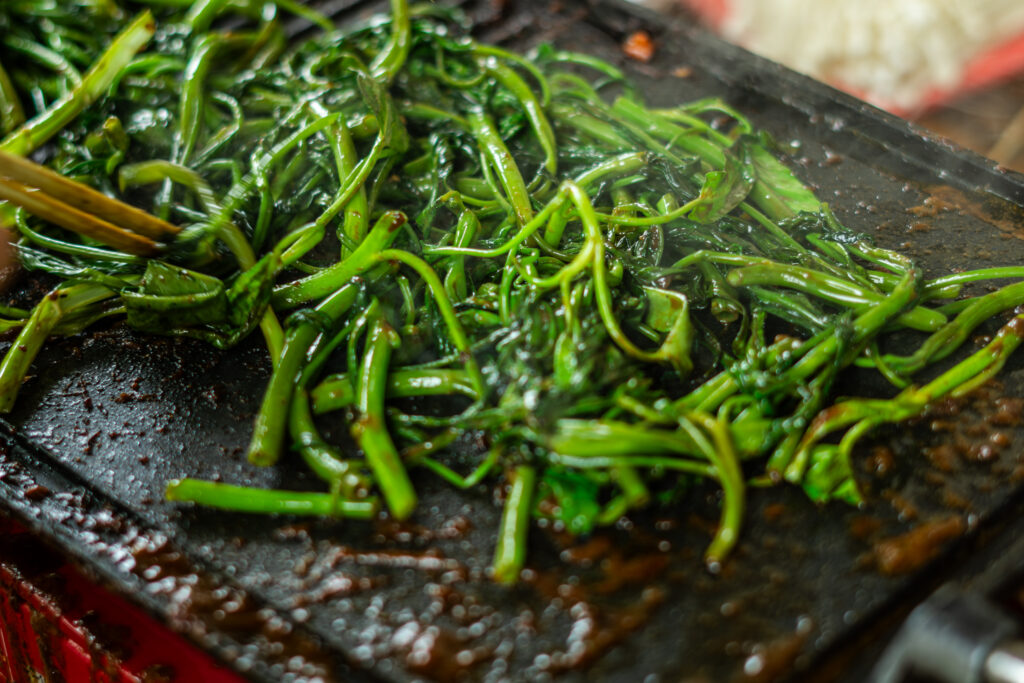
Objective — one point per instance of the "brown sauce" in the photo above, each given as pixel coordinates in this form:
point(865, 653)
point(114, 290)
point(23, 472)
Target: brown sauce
point(944, 198)
point(908, 552)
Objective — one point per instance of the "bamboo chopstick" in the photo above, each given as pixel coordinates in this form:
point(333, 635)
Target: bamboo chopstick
point(79, 208)
point(42, 205)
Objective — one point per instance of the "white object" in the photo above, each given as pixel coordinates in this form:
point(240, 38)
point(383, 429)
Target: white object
point(895, 53)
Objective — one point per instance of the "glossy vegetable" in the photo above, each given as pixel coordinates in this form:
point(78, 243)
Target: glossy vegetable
point(616, 301)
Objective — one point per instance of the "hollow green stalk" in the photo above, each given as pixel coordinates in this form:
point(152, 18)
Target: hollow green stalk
point(510, 552)
point(269, 431)
point(45, 317)
point(267, 501)
point(370, 430)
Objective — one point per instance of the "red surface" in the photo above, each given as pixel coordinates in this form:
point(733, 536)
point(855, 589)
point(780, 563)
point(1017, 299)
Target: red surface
point(997, 65)
point(713, 12)
point(55, 624)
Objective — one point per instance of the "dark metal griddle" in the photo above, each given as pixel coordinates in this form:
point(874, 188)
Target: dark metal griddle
point(108, 417)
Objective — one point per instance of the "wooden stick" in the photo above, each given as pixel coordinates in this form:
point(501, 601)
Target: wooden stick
point(84, 198)
point(1010, 142)
point(42, 205)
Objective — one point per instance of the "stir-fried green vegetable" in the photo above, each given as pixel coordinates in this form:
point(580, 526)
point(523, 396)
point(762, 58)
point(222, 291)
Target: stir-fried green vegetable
point(617, 300)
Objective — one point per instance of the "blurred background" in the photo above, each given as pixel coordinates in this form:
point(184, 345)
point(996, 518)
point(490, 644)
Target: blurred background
point(955, 67)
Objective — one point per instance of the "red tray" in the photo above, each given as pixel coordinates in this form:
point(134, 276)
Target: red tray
point(56, 624)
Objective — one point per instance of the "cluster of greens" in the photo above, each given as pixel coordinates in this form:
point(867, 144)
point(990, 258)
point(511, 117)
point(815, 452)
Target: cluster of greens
point(615, 300)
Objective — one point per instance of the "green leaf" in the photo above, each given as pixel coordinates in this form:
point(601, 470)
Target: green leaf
point(171, 297)
point(663, 309)
point(33, 259)
point(440, 167)
point(723, 190)
point(829, 477)
point(178, 301)
point(575, 499)
point(670, 312)
point(248, 295)
point(777, 191)
point(381, 104)
point(566, 362)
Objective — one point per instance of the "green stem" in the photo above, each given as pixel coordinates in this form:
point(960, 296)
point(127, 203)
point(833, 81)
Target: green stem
point(456, 479)
point(122, 50)
point(531, 106)
point(391, 60)
point(12, 114)
point(831, 289)
point(47, 314)
point(336, 392)
point(966, 375)
point(504, 164)
point(268, 433)
point(383, 233)
point(510, 553)
point(444, 305)
point(319, 456)
point(267, 501)
point(723, 455)
point(370, 429)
